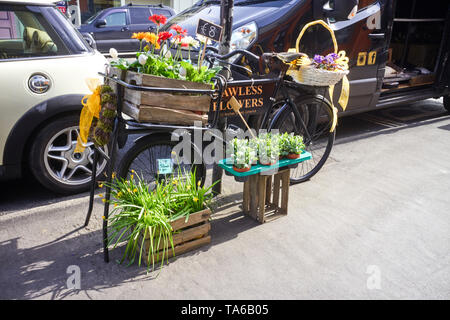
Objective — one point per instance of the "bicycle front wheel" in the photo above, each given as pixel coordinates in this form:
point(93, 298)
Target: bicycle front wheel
point(143, 160)
point(313, 123)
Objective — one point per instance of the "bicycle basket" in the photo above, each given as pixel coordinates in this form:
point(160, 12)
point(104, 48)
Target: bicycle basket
point(305, 72)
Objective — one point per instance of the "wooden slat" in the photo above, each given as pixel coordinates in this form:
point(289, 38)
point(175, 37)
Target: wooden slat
point(185, 235)
point(284, 190)
point(246, 197)
point(268, 189)
point(161, 82)
point(182, 248)
point(253, 181)
point(162, 115)
point(262, 181)
point(193, 219)
point(167, 100)
point(276, 190)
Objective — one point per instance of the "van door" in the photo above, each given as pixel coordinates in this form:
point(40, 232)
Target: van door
point(443, 68)
point(116, 33)
point(365, 39)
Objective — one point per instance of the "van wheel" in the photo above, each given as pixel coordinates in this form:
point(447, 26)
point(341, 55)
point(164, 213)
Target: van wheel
point(53, 162)
point(447, 103)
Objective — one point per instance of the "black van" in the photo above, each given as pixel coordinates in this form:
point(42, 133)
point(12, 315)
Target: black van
point(113, 27)
point(398, 49)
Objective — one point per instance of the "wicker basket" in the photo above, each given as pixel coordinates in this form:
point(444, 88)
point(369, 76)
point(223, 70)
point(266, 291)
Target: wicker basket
point(310, 75)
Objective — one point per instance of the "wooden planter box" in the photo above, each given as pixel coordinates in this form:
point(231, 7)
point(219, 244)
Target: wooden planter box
point(159, 107)
point(188, 235)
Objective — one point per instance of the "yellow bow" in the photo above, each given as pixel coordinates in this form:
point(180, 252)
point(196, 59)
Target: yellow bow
point(91, 108)
point(342, 61)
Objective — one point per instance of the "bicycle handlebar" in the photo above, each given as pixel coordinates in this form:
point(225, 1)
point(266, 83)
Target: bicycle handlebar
point(246, 53)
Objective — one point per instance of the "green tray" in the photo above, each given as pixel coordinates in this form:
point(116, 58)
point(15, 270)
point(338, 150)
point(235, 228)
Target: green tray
point(259, 168)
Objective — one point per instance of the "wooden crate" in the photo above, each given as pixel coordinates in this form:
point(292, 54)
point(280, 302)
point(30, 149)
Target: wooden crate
point(261, 199)
point(159, 107)
point(188, 235)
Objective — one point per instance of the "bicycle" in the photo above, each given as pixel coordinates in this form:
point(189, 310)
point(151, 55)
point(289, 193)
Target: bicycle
point(158, 136)
point(309, 114)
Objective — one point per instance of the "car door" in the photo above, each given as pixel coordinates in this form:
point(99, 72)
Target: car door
point(365, 39)
point(116, 33)
point(140, 23)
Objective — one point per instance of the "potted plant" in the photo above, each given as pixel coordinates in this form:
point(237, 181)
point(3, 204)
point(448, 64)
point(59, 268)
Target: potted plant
point(155, 66)
point(268, 148)
point(292, 145)
point(153, 224)
point(242, 154)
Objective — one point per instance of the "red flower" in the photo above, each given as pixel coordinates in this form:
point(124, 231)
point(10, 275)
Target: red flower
point(163, 36)
point(158, 19)
point(178, 29)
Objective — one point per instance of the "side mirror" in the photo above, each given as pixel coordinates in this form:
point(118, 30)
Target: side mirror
point(341, 10)
point(90, 40)
point(100, 23)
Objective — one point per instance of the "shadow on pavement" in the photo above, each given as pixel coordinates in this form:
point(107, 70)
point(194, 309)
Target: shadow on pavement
point(41, 271)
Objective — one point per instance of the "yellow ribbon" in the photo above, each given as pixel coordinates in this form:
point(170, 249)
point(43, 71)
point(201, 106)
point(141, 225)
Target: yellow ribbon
point(91, 108)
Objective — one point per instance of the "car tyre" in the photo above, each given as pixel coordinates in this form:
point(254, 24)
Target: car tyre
point(53, 162)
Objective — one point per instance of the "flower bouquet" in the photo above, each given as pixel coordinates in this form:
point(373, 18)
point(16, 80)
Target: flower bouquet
point(156, 66)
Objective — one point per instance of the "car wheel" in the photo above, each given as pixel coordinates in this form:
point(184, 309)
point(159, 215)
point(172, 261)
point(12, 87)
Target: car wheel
point(55, 164)
point(447, 103)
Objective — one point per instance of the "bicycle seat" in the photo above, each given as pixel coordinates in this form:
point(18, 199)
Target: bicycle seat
point(286, 57)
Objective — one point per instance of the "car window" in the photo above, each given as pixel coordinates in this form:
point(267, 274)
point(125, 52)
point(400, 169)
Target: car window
point(27, 34)
point(166, 13)
point(139, 15)
point(116, 19)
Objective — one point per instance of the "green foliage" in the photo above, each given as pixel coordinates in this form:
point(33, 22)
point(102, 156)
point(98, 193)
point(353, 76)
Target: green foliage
point(139, 214)
point(290, 143)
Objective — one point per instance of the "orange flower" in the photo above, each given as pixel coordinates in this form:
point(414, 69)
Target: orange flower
point(150, 37)
point(140, 36)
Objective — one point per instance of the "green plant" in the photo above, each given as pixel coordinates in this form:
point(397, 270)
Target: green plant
point(242, 153)
point(291, 143)
point(139, 214)
point(267, 146)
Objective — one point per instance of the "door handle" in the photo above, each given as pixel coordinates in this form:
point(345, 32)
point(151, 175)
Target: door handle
point(125, 29)
point(377, 36)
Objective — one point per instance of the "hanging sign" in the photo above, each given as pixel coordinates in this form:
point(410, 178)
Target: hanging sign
point(209, 30)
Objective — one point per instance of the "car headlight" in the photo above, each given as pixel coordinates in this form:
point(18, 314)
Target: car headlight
point(244, 36)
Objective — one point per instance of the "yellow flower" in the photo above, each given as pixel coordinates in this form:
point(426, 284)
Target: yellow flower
point(115, 205)
point(132, 171)
point(199, 183)
point(113, 175)
point(100, 185)
point(175, 182)
point(135, 190)
point(103, 217)
point(103, 200)
point(139, 35)
point(195, 199)
point(152, 38)
point(100, 195)
point(119, 194)
point(132, 177)
point(188, 187)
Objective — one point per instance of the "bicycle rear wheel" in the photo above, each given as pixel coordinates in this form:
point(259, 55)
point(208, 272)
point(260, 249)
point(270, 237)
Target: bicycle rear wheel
point(142, 160)
point(314, 124)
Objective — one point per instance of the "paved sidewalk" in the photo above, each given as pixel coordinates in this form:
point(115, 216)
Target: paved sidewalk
point(373, 224)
